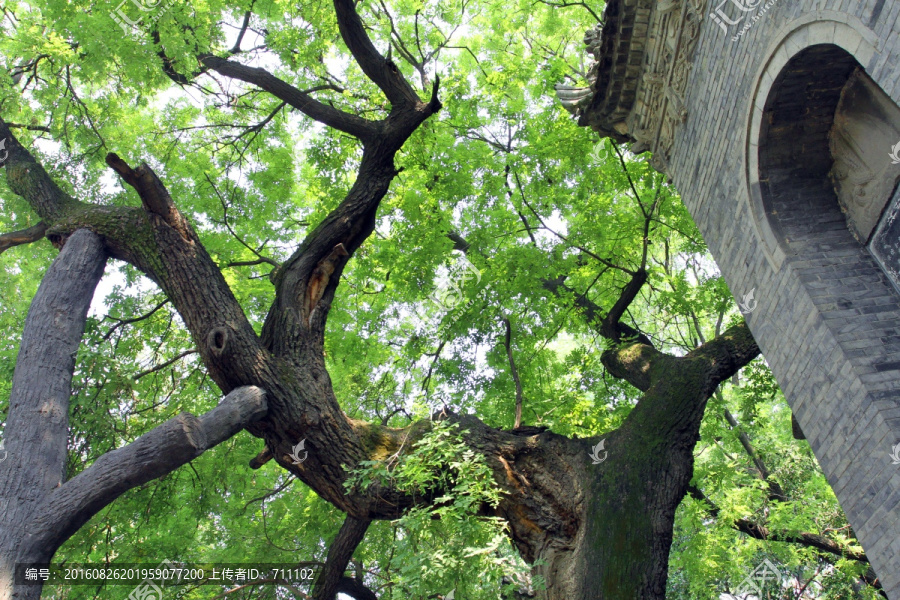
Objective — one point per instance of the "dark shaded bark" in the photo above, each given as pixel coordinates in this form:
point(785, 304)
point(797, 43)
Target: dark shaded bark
point(26, 236)
point(340, 552)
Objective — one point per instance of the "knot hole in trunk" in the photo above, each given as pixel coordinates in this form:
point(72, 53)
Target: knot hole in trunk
point(217, 339)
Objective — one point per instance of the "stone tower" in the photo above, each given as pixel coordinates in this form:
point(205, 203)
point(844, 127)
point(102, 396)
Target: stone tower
point(778, 122)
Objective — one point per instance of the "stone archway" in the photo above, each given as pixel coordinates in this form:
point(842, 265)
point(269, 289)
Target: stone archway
point(669, 79)
point(825, 168)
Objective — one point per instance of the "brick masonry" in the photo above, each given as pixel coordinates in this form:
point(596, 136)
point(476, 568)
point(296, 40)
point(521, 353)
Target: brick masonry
point(827, 321)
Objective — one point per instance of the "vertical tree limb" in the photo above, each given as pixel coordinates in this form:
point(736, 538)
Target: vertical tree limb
point(514, 372)
point(37, 424)
point(341, 551)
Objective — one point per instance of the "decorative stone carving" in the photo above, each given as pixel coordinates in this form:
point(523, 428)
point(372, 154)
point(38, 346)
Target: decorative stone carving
point(638, 81)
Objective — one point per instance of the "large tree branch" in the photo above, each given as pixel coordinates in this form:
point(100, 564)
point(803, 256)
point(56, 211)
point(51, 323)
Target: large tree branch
point(27, 178)
point(38, 418)
point(159, 451)
point(609, 327)
point(380, 70)
point(307, 281)
point(725, 355)
point(302, 101)
point(25, 236)
point(301, 400)
point(154, 195)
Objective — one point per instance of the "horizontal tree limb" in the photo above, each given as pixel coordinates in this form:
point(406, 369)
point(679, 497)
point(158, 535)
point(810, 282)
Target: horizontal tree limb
point(25, 236)
point(760, 532)
point(312, 108)
point(156, 453)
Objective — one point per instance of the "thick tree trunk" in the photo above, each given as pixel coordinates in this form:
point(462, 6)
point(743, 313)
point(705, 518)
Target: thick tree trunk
point(37, 424)
point(604, 530)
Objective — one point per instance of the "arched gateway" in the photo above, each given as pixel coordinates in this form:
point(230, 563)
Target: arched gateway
point(779, 124)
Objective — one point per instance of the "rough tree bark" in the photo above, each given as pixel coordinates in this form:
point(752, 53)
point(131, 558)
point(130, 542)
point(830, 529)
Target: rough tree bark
point(39, 509)
point(38, 417)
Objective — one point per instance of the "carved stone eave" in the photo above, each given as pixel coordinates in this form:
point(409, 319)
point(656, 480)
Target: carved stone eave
point(638, 82)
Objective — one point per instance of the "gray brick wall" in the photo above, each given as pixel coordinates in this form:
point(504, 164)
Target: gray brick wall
point(828, 321)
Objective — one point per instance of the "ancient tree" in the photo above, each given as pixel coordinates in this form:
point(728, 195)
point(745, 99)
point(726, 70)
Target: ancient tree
point(592, 528)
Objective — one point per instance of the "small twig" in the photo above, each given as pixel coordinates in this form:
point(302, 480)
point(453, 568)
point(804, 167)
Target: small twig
point(567, 4)
point(165, 364)
point(122, 322)
point(599, 259)
point(277, 490)
point(224, 204)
